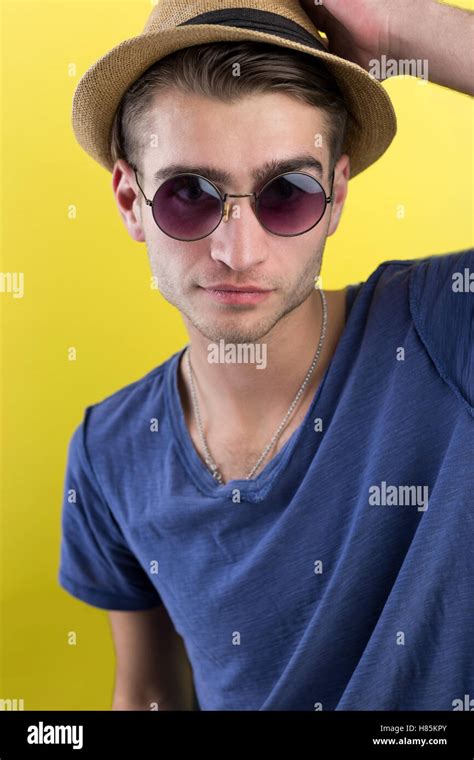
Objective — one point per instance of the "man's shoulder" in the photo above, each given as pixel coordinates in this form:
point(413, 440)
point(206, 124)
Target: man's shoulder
point(442, 307)
point(438, 293)
point(427, 274)
point(126, 411)
point(428, 281)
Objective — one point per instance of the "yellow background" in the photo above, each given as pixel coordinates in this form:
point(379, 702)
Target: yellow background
point(87, 285)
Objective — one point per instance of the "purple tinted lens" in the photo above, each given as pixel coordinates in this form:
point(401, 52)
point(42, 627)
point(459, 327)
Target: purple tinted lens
point(187, 207)
point(291, 204)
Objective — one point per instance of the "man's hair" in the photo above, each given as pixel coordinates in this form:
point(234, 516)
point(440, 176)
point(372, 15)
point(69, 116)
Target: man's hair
point(210, 70)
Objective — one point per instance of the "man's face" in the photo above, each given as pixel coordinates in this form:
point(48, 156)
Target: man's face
point(237, 138)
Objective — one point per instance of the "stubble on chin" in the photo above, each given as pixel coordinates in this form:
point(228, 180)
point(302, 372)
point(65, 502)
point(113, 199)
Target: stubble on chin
point(242, 326)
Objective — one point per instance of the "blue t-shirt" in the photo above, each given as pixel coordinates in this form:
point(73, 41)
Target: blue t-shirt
point(342, 576)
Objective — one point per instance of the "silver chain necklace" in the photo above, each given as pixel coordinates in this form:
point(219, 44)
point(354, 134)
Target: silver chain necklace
point(208, 459)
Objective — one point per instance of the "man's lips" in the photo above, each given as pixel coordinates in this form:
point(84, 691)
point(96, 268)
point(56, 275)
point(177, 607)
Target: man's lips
point(233, 294)
point(237, 288)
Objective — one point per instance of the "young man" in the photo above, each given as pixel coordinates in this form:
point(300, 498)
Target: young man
point(296, 538)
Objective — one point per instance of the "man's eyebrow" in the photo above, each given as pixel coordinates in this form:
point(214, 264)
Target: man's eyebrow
point(266, 171)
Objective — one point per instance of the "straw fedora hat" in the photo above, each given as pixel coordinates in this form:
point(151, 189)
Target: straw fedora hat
point(176, 24)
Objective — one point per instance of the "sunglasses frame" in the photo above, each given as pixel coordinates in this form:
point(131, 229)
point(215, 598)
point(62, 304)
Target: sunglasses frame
point(225, 206)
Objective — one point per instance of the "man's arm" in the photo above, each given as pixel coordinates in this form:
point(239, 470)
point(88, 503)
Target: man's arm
point(151, 662)
point(364, 30)
point(441, 34)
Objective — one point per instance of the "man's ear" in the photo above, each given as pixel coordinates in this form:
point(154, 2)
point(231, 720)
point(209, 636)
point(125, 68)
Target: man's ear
point(128, 198)
point(340, 189)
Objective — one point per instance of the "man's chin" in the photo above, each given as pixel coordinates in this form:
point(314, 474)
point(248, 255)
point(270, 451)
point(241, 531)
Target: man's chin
point(233, 330)
point(253, 325)
point(232, 336)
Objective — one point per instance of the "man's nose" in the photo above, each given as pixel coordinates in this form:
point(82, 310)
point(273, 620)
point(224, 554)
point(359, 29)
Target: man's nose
point(240, 241)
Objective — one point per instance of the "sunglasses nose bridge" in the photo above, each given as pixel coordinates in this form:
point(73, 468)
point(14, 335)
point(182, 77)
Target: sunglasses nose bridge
point(228, 206)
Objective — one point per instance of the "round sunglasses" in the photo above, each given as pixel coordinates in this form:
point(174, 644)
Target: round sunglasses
point(190, 207)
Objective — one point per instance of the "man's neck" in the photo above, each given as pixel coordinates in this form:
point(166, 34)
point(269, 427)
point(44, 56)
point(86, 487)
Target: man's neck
point(242, 395)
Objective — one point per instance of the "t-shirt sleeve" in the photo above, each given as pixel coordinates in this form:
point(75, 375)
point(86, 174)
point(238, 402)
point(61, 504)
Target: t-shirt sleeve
point(96, 565)
point(442, 304)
